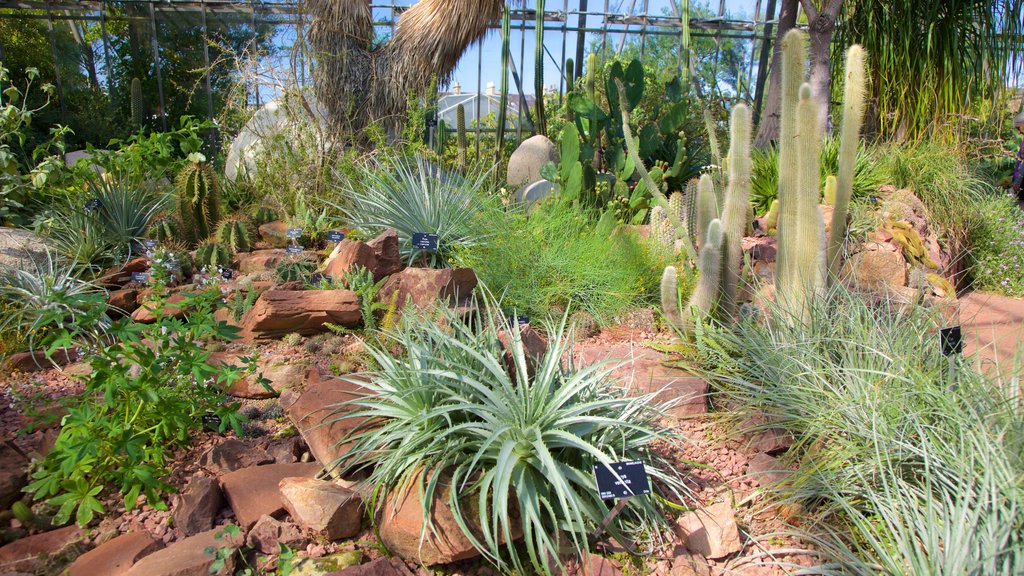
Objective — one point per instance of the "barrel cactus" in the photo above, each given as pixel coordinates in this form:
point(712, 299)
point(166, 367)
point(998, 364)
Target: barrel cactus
point(164, 228)
point(265, 215)
point(211, 253)
point(235, 233)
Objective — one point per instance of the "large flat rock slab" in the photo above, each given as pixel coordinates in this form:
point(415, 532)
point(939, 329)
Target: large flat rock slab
point(641, 371)
point(993, 328)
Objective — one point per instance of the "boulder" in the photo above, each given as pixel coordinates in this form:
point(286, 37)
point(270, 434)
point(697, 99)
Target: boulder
point(762, 436)
point(34, 553)
point(533, 344)
point(276, 373)
point(402, 531)
point(317, 416)
point(324, 507)
point(644, 373)
point(13, 475)
point(711, 532)
point(188, 557)
point(876, 269)
point(766, 470)
point(275, 234)
point(253, 492)
point(146, 312)
point(380, 256)
point(379, 567)
point(279, 312)
point(122, 302)
point(116, 556)
point(37, 360)
point(267, 260)
point(268, 533)
point(286, 450)
point(233, 454)
point(120, 275)
point(424, 286)
point(529, 158)
point(196, 508)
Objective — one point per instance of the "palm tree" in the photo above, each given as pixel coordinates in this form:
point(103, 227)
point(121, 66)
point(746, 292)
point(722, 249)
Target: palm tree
point(360, 82)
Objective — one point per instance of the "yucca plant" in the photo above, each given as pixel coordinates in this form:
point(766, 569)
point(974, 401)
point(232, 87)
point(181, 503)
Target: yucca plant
point(125, 209)
point(447, 407)
point(79, 238)
point(412, 195)
point(47, 296)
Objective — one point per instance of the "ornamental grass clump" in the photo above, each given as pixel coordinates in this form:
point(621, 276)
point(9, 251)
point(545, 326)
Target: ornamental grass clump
point(518, 452)
point(908, 461)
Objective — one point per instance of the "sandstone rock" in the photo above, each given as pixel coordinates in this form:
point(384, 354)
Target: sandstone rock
point(286, 451)
point(187, 557)
point(600, 566)
point(686, 563)
point(233, 454)
point(401, 529)
point(711, 531)
point(875, 270)
point(763, 437)
point(119, 276)
point(36, 361)
point(642, 372)
point(197, 506)
point(253, 492)
point(116, 556)
point(380, 256)
point(275, 234)
point(146, 312)
point(766, 470)
point(313, 411)
point(379, 567)
point(13, 475)
point(32, 553)
point(529, 158)
point(280, 312)
point(268, 533)
point(533, 344)
point(424, 286)
point(122, 302)
point(321, 506)
point(267, 260)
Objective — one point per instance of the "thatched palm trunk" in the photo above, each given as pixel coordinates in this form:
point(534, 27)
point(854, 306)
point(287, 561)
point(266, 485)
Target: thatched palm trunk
point(359, 83)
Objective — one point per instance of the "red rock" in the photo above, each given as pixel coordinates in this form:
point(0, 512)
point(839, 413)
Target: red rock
point(876, 269)
point(385, 249)
point(711, 532)
point(324, 507)
point(642, 372)
point(146, 312)
point(762, 437)
point(196, 508)
point(686, 563)
point(187, 557)
point(424, 286)
point(275, 233)
point(286, 451)
point(116, 556)
point(379, 567)
point(122, 302)
point(280, 312)
point(253, 492)
point(268, 533)
point(533, 344)
point(37, 361)
point(315, 412)
point(233, 454)
point(599, 566)
point(119, 276)
point(267, 261)
point(30, 554)
point(766, 470)
point(349, 255)
point(13, 476)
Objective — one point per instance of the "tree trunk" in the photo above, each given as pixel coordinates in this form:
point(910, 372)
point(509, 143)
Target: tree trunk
point(768, 130)
point(822, 28)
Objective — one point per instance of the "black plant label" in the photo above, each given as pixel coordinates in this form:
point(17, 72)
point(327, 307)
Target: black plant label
point(335, 236)
point(951, 340)
point(424, 241)
point(631, 481)
point(294, 232)
point(93, 204)
point(140, 277)
point(294, 249)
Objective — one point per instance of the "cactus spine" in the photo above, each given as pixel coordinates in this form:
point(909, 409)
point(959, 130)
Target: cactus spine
point(737, 204)
point(234, 233)
point(460, 125)
point(215, 254)
point(849, 137)
point(677, 206)
point(138, 114)
point(198, 199)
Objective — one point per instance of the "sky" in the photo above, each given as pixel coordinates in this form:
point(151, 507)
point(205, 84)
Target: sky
point(487, 55)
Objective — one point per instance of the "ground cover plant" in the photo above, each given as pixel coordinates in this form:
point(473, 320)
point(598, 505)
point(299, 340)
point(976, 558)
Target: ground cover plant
point(455, 422)
point(908, 461)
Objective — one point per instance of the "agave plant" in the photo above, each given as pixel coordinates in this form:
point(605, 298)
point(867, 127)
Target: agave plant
point(49, 295)
point(415, 196)
point(124, 209)
point(523, 447)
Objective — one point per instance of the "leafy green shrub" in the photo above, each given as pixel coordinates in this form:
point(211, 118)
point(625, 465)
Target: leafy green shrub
point(450, 413)
point(907, 466)
point(49, 297)
point(556, 257)
point(997, 246)
point(764, 181)
point(147, 391)
point(412, 195)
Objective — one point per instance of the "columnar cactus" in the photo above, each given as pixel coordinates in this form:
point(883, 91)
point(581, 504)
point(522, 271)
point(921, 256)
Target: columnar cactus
point(212, 253)
point(736, 207)
point(235, 233)
point(198, 199)
point(793, 59)
point(662, 230)
point(460, 126)
point(264, 215)
point(706, 294)
point(707, 206)
point(771, 219)
point(138, 114)
point(677, 206)
point(849, 137)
